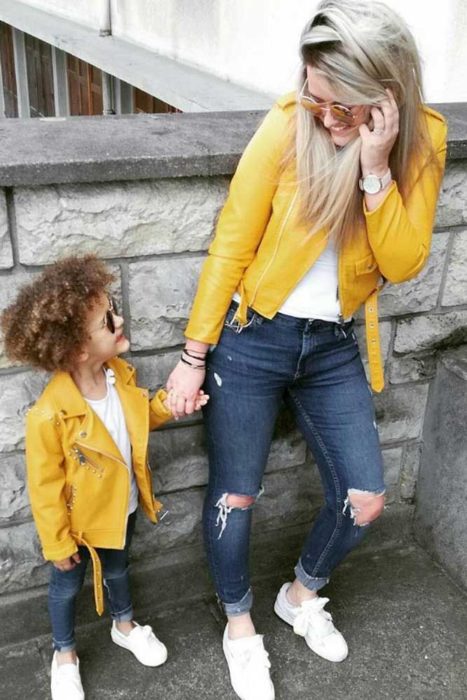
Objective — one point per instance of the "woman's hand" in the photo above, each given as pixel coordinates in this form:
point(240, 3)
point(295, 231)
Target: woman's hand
point(183, 387)
point(377, 143)
point(67, 564)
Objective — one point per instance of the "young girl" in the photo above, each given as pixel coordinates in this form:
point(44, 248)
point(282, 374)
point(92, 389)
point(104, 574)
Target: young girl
point(86, 451)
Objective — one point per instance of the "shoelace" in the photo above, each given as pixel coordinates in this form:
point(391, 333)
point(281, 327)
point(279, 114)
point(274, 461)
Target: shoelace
point(144, 631)
point(312, 615)
point(254, 658)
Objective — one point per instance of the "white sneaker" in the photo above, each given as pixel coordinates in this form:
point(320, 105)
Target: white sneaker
point(142, 642)
point(65, 681)
point(249, 666)
point(311, 621)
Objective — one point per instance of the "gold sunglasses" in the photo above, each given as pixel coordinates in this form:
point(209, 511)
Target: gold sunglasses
point(342, 113)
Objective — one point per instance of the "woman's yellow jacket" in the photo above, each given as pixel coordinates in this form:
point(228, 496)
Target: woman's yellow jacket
point(79, 485)
point(261, 251)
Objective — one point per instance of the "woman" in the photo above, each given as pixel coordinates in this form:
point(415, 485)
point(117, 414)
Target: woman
point(335, 194)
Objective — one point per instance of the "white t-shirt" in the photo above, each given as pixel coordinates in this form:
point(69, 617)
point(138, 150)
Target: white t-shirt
point(316, 296)
point(110, 411)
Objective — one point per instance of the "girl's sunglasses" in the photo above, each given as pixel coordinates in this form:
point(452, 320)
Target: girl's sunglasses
point(340, 112)
point(108, 321)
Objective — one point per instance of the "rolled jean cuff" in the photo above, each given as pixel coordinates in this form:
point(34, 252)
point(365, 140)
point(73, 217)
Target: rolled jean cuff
point(64, 646)
point(311, 582)
point(243, 606)
point(123, 616)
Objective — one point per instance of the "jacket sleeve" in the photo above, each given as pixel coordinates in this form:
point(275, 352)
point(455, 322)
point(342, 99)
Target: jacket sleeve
point(158, 412)
point(46, 486)
point(399, 232)
point(241, 226)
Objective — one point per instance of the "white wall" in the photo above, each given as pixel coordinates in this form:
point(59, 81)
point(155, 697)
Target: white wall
point(254, 42)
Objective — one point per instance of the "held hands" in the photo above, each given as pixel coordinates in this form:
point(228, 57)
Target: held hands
point(378, 142)
point(184, 389)
point(67, 564)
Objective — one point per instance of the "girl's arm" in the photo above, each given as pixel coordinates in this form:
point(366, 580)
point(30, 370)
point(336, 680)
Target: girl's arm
point(46, 485)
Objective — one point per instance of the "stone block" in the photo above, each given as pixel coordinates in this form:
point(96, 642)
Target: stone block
point(400, 412)
point(392, 458)
point(452, 204)
point(14, 502)
point(17, 393)
point(6, 252)
point(409, 472)
point(455, 287)
point(153, 370)
point(411, 368)
point(21, 561)
point(441, 515)
point(117, 219)
point(420, 293)
point(431, 332)
point(161, 294)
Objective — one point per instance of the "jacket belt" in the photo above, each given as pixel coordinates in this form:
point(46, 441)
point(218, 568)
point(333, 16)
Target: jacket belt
point(96, 574)
point(373, 343)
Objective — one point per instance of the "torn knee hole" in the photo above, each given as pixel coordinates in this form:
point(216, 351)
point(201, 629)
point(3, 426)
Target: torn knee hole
point(226, 503)
point(364, 506)
point(235, 501)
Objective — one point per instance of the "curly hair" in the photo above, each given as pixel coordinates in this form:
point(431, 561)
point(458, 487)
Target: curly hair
point(46, 325)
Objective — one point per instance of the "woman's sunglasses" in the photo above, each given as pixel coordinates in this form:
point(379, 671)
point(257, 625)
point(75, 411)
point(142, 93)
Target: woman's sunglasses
point(340, 112)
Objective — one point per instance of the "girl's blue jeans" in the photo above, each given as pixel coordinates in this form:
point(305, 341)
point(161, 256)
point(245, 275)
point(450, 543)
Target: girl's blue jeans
point(64, 587)
point(315, 367)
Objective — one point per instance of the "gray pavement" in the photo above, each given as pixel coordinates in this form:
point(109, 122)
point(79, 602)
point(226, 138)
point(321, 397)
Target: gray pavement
point(405, 622)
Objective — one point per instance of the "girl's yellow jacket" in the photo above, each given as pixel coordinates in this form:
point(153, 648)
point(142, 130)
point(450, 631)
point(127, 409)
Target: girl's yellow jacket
point(78, 483)
point(261, 251)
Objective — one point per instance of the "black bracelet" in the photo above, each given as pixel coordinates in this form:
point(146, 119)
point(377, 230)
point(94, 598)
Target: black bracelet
point(190, 364)
point(193, 355)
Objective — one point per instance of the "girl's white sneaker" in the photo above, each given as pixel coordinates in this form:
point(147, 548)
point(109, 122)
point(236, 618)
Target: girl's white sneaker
point(65, 681)
point(311, 621)
point(249, 665)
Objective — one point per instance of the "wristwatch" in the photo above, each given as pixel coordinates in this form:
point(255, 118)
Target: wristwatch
point(372, 184)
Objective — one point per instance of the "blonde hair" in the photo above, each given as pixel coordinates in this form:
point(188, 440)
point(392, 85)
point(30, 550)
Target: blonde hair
point(361, 47)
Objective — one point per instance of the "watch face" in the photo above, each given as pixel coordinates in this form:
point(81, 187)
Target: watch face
point(371, 184)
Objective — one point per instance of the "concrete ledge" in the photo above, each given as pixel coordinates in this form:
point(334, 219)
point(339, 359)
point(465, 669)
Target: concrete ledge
point(135, 147)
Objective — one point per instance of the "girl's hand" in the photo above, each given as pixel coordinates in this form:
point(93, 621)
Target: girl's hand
point(201, 400)
point(377, 143)
point(67, 564)
point(183, 387)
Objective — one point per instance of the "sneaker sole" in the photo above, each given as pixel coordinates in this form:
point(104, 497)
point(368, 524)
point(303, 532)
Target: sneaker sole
point(285, 617)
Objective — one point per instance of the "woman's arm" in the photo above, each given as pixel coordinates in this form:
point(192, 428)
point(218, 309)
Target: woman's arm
point(240, 228)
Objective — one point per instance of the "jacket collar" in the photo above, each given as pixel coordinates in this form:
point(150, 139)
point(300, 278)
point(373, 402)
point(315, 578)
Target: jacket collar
point(68, 399)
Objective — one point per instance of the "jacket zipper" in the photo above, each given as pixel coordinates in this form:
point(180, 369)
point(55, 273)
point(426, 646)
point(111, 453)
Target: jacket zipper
point(106, 454)
point(279, 238)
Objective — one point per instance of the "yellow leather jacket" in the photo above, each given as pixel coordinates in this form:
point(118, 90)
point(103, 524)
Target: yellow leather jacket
point(261, 252)
point(79, 485)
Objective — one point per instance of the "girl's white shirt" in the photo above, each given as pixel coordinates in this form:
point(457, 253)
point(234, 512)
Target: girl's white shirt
point(110, 411)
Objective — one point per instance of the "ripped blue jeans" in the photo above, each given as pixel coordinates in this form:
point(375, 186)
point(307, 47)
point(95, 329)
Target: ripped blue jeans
point(315, 367)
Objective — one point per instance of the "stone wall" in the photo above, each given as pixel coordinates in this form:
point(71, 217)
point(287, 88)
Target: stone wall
point(154, 233)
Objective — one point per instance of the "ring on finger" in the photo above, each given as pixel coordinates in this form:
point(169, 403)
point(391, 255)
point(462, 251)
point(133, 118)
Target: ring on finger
point(378, 132)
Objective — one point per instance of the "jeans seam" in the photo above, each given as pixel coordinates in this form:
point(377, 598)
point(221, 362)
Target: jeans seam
point(335, 480)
